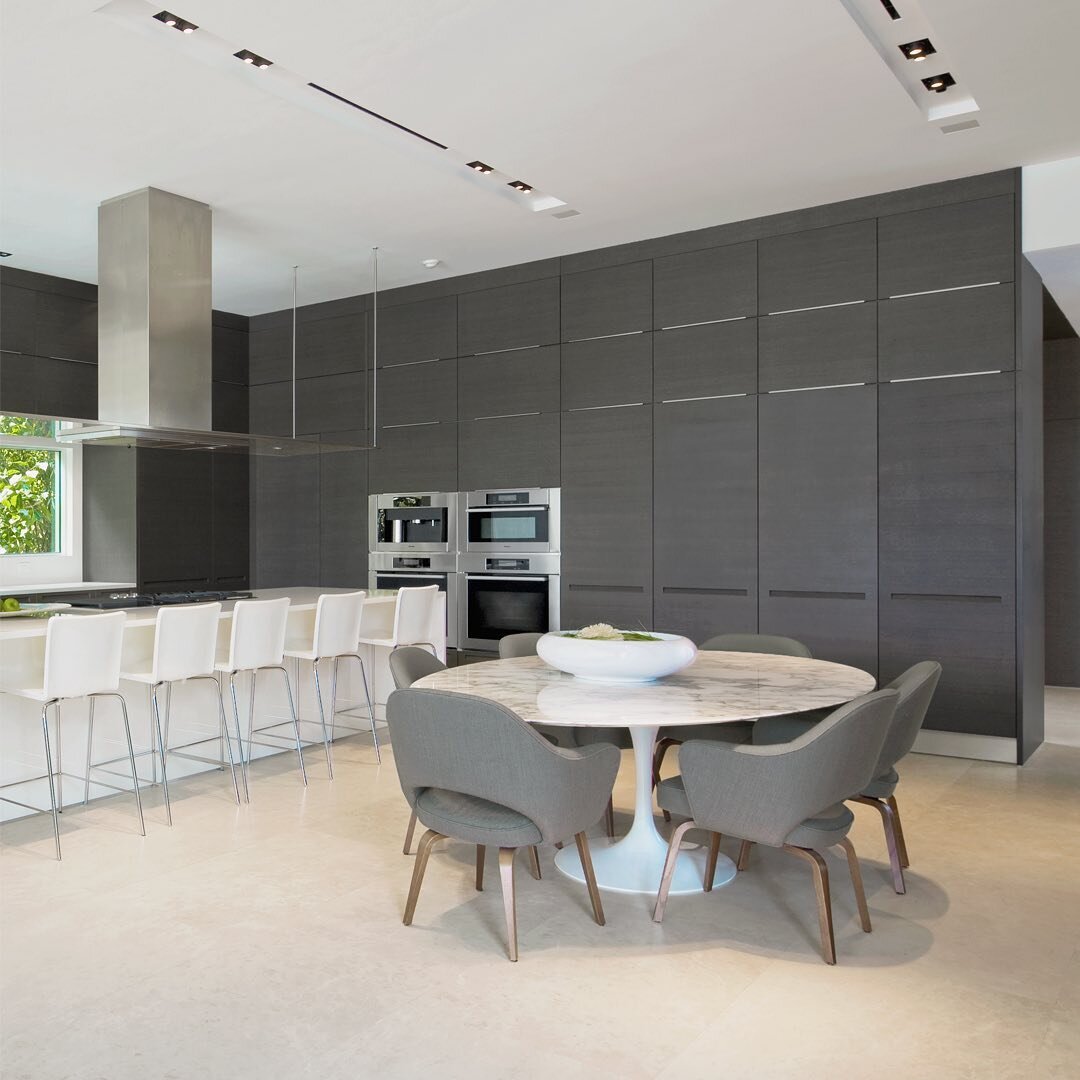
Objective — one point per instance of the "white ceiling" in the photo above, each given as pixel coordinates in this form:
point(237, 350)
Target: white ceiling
point(648, 118)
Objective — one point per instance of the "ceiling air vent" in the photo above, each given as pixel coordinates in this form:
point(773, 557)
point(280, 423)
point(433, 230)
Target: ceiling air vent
point(567, 213)
point(964, 125)
point(378, 116)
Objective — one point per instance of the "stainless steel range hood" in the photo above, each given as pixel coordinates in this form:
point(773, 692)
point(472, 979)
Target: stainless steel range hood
point(155, 368)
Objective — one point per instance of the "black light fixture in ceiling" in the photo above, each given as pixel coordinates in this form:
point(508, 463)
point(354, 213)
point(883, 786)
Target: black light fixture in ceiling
point(169, 19)
point(253, 58)
point(479, 166)
point(5, 254)
point(890, 9)
point(520, 185)
point(938, 84)
point(918, 50)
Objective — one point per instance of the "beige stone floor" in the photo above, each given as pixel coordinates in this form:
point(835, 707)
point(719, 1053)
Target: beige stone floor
point(266, 941)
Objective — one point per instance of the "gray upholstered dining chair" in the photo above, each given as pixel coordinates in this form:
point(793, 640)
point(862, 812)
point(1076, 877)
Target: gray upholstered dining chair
point(515, 645)
point(916, 687)
point(407, 664)
point(474, 771)
point(730, 733)
point(788, 796)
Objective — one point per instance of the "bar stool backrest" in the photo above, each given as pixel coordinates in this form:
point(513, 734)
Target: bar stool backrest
point(82, 654)
point(413, 614)
point(337, 623)
point(185, 641)
point(258, 634)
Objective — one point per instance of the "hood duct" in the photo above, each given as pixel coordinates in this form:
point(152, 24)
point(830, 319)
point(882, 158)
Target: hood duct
point(155, 315)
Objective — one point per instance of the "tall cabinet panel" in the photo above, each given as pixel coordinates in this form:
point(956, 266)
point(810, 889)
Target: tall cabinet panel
point(948, 544)
point(705, 517)
point(818, 521)
point(607, 494)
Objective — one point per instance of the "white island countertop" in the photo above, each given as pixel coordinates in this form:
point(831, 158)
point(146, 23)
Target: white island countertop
point(64, 587)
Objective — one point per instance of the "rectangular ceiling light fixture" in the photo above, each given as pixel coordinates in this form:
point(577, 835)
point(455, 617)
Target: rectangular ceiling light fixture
point(253, 58)
point(890, 9)
point(169, 19)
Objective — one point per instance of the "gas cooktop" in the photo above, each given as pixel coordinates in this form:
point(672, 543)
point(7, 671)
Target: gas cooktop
point(130, 600)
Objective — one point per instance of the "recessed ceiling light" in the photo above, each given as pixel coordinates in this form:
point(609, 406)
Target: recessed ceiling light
point(918, 50)
point(431, 263)
point(5, 254)
point(169, 19)
point(480, 167)
point(253, 58)
point(938, 84)
point(520, 185)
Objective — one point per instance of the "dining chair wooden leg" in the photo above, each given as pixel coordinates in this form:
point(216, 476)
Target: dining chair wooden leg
point(744, 855)
point(590, 877)
point(534, 862)
point(609, 819)
point(558, 845)
point(669, 869)
point(506, 873)
point(430, 838)
point(888, 821)
point(857, 883)
point(481, 851)
point(821, 887)
point(901, 844)
point(710, 862)
point(663, 745)
point(409, 833)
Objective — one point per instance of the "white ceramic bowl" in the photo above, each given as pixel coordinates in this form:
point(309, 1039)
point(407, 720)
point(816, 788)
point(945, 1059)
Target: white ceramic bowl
point(617, 661)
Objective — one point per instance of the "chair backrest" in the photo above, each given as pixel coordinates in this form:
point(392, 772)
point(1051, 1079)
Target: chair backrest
point(761, 793)
point(413, 614)
point(518, 645)
point(477, 747)
point(185, 641)
point(916, 687)
point(82, 654)
point(337, 623)
point(763, 643)
point(258, 634)
point(409, 663)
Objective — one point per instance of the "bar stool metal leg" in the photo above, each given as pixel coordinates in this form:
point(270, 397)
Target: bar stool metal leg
point(131, 759)
point(322, 711)
point(295, 721)
point(156, 719)
point(224, 739)
point(59, 764)
point(89, 745)
point(49, 769)
point(371, 712)
point(239, 738)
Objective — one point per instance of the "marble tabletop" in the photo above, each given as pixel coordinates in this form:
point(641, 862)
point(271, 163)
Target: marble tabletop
point(718, 687)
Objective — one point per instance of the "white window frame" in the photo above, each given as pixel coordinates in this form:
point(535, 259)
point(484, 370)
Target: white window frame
point(66, 564)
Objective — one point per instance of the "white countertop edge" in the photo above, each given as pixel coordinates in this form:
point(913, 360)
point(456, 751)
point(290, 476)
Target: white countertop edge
point(64, 587)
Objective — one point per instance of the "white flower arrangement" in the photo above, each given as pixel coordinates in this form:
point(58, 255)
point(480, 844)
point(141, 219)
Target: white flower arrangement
point(600, 631)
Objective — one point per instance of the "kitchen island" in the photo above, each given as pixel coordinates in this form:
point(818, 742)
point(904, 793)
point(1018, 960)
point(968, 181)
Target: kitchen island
point(22, 656)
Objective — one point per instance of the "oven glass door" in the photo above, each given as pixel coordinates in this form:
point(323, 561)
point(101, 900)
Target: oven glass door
point(497, 606)
point(520, 525)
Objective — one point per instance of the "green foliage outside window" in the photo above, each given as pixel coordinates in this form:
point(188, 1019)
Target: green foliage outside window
point(29, 490)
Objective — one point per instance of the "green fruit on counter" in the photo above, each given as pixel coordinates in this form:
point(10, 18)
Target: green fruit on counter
point(10, 604)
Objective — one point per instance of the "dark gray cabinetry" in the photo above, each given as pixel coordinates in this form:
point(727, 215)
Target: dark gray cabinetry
point(607, 371)
point(422, 457)
point(509, 317)
point(270, 348)
point(331, 346)
point(607, 514)
point(40, 384)
point(614, 300)
point(17, 319)
point(229, 336)
point(426, 330)
point(332, 403)
point(270, 409)
point(944, 247)
point(65, 327)
point(509, 383)
point(343, 540)
point(416, 393)
point(947, 333)
point(948, 548)
point(818, 521)
point(512, 451)
point(700, 286)
point(817, 267)
point(705, 517)
point(286, 520)
point(230, 526)
point(823, 347)
point(705, 361)
point(229, 405)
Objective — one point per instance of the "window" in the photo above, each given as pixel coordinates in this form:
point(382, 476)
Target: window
point(40, 496)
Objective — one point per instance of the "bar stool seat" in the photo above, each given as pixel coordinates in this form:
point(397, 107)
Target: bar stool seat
point(338, 617)
point(414, 611)
point(185, 644)
point(82, 661)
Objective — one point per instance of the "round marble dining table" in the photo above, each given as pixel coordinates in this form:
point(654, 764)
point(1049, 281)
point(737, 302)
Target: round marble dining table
point(718, 687)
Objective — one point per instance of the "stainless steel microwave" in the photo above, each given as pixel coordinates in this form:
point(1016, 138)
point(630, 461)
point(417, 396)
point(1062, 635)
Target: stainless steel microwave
point(523, 520)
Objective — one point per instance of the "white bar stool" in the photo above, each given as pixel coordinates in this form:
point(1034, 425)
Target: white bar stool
point(82, 660)
point(337, 631)
point(257, 643)
point(414, 612)
point(185, 646)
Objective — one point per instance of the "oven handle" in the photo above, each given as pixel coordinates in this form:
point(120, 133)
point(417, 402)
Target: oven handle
point(506, 509)
point(410, 573)
point(499, 577)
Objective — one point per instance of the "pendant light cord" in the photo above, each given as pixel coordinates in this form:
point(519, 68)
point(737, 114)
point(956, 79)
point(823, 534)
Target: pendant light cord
point(294, 271)
point(375, 350)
